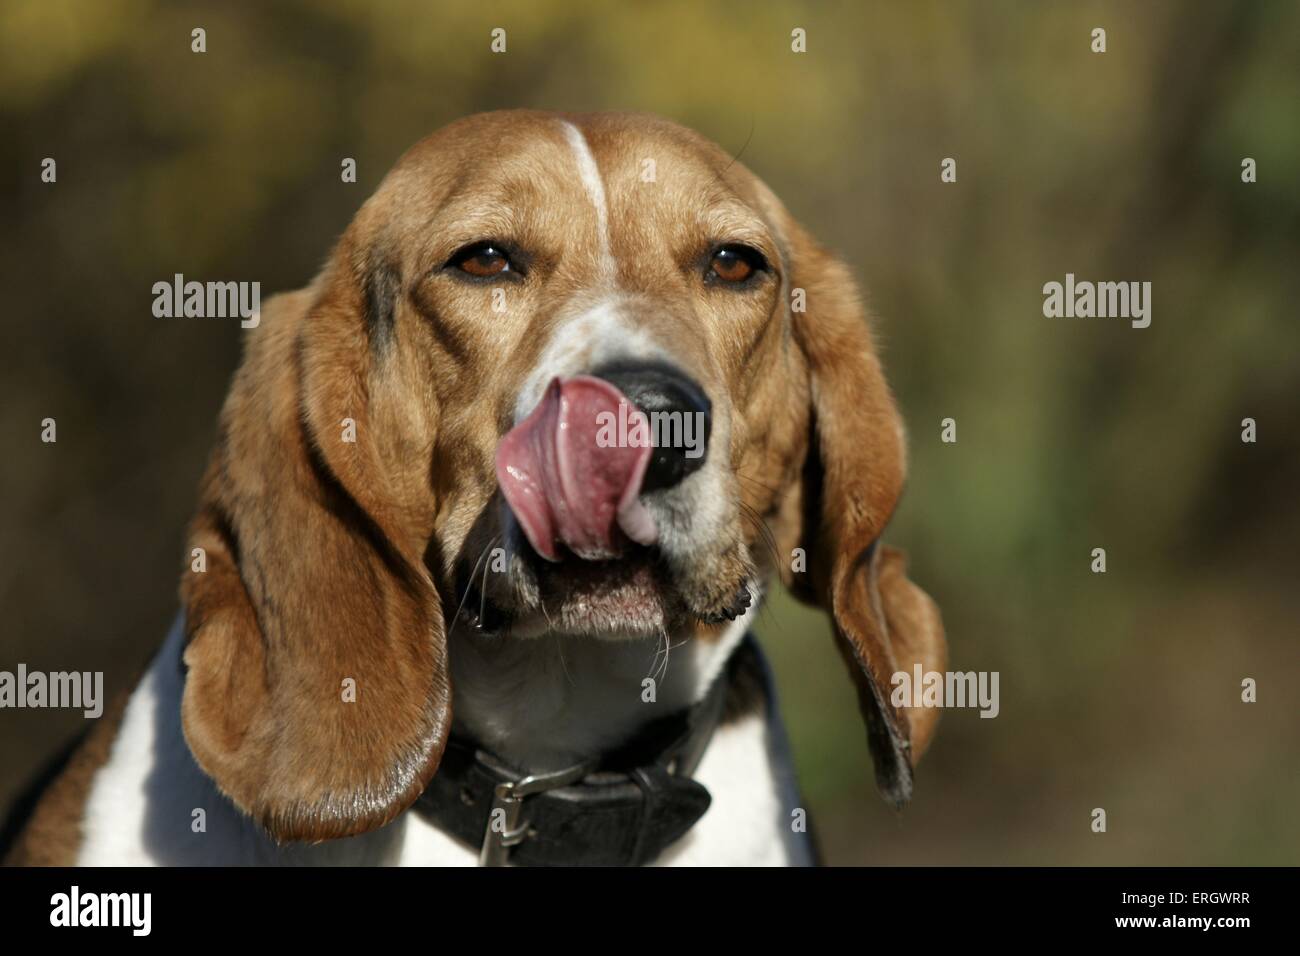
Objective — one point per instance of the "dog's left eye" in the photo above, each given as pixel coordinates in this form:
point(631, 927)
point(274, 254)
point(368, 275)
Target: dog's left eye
point(482, 260)
point(735, 264)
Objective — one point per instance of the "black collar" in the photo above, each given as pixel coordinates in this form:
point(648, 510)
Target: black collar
point(623, 809)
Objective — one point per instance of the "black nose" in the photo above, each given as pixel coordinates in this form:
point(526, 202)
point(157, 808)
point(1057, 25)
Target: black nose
point(680, 417)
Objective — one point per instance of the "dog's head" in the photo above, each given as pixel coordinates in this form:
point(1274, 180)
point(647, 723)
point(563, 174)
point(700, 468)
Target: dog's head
point(561, 374)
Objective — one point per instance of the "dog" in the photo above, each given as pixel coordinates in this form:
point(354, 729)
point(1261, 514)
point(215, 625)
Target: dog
point(493, 504)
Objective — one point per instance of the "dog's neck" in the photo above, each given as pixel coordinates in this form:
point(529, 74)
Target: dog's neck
point(547, 702)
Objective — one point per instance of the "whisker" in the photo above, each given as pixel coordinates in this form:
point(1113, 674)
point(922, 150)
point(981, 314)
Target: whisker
point(662, 671)
point(468, 588)
point(482, 591)
point(741, 152)
point(758, 484)
point(658, 667)
point(559, 649)
point(765, 532)
point(654, 661)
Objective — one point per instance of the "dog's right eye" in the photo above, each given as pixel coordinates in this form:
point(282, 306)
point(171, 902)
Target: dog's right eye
point(735, 264)
point(482, 260)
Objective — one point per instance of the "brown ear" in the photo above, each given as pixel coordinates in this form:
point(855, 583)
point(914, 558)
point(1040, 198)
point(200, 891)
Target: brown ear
point(310, 583)
point(852, 480)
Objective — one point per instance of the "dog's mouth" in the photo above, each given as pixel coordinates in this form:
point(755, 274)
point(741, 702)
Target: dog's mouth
point(583, 556)
point(575, 526)
point(572, 479)
point(621, 597)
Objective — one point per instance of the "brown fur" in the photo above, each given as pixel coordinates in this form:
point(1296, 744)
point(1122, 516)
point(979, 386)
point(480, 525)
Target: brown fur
point(855, 474)
point(329, 560)
point(52, 835)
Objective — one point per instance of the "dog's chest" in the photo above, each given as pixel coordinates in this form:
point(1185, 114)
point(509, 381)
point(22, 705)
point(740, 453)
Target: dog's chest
point(144, 806)
point(547, 702)
point(748, 823)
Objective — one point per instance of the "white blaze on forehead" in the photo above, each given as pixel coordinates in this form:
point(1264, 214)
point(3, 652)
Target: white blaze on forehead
point(589, 175)
point(597, 329)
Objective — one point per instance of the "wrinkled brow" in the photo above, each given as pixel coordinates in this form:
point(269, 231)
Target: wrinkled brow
point(733, 221)
point(464, 220)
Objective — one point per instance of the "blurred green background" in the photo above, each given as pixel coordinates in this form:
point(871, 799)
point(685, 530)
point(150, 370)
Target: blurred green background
point(1119, 690)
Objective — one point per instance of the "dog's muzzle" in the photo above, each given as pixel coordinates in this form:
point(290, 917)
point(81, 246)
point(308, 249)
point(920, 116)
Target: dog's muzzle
point(573, 472)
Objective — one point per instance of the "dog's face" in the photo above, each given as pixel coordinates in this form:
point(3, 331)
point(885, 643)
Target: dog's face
point(579, 375)
point(520, 251)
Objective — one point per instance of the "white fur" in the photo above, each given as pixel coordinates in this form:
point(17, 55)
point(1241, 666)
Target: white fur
point(589, 176)
point(547, 702)
point(750, 821)
point(539, 703)
point(694, 516)
point(140, 810)
point(597, 328)
point(593, 335)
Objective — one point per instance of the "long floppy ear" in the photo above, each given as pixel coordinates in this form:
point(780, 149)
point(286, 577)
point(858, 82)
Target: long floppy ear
point(316, 694)
point(852, 480)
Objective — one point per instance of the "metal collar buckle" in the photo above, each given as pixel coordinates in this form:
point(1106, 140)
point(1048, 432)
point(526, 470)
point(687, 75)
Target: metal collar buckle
point(504, 827)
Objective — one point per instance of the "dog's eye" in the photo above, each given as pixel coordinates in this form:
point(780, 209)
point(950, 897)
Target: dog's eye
point(734, 264)
point(481, 260)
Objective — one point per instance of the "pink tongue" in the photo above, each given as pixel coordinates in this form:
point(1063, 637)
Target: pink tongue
point(570, 473)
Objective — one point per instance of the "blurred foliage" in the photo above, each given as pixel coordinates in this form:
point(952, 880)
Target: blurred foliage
point(1118, 690)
